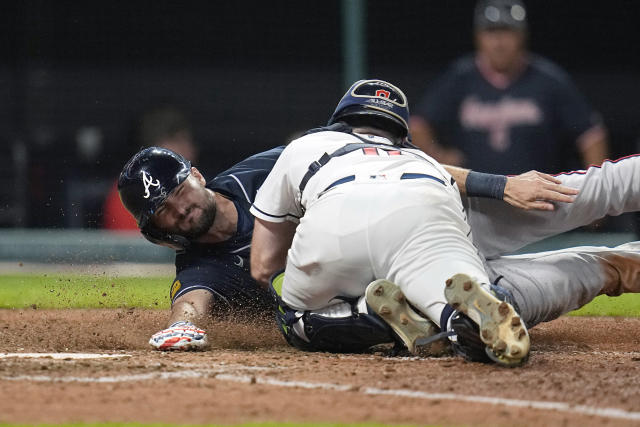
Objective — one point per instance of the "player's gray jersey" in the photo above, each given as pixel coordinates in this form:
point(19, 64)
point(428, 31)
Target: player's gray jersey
point(280, 198)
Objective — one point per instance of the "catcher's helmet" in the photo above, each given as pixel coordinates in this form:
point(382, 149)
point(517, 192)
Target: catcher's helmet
point(376, 100)
point(500, 14)
point(144, 184)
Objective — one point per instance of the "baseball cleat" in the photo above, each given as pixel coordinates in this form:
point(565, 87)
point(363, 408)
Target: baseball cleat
point(501, 328)
point(179, 336)
point(387, 301)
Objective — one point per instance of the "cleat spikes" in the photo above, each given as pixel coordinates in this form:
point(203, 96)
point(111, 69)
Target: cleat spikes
point(410, 328)
point(384, 310)
point(500, 346)
point(503, 309)
point(500, 328)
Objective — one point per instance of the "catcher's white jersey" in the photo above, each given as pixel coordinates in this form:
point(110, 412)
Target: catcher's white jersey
point(280, 198)
point(375, 212)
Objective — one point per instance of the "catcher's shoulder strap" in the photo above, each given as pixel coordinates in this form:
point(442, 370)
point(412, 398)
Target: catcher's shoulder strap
point(315, 166)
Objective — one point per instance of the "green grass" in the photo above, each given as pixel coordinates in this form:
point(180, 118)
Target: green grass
point(627, 305)
point(75, 291)
point(71, 291)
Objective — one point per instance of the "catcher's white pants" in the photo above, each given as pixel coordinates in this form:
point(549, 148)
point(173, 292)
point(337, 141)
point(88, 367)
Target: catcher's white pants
point(412, 232)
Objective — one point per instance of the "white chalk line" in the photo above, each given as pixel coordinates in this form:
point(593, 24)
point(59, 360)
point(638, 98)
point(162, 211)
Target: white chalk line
point(557, 406)
point(535, 404)
point(220, 373)
point(115, 378)
point(61, 356)
point(214, 371)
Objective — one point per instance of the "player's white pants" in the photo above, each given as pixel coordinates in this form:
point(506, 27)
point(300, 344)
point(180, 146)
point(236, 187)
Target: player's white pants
point(612, 189)
point(547, 285)
point(412, 232)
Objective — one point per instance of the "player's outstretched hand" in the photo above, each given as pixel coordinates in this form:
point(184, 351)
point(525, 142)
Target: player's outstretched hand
point(179, 336)
point(536, 190)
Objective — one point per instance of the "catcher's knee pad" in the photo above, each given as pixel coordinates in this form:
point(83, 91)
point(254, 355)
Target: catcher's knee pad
point(345, 327)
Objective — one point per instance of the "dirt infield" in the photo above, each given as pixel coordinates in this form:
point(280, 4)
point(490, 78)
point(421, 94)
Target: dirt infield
point(582, 371)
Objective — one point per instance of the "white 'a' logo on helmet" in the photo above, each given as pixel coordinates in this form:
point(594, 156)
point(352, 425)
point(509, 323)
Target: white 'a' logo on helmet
point(148, 181)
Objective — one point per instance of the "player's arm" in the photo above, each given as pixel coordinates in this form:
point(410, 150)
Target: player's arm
point(530, 190)
point(277, 212)
point(187, 310)
point(269, 246)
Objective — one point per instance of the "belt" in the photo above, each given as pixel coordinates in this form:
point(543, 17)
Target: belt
point(403, 176)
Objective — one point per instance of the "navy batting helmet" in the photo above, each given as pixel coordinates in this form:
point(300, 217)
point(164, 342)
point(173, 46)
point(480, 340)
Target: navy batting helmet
point(375, 99)
point(144, 184)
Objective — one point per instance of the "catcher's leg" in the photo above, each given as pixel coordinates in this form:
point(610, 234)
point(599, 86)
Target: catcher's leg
point(482, 324)
point(436, 250)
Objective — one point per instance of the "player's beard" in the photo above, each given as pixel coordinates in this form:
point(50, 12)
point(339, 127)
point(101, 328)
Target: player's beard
point(204, 221)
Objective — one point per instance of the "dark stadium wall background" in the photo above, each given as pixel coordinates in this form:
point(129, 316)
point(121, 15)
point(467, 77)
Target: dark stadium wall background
point(250, 74)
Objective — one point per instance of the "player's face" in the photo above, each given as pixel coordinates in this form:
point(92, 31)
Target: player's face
point(502, 47)
point(189, 210)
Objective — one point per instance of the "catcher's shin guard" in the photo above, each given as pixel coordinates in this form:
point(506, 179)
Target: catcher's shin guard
point(499, 326)
point(340, 328)
point(387, 300)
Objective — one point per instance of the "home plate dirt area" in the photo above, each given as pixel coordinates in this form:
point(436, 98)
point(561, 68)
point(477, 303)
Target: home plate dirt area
point(94, 366)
